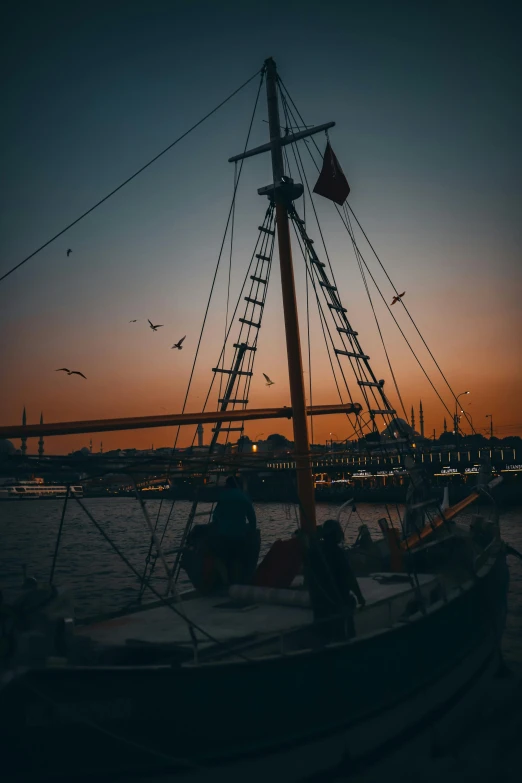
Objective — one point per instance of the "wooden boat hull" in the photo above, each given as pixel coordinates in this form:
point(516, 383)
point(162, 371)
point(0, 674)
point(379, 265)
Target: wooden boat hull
point(284, 717)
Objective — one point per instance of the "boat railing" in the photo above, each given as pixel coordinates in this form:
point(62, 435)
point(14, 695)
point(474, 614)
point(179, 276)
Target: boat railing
point(282, 639)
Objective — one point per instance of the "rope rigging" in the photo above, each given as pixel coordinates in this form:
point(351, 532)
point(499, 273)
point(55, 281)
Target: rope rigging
point(218, 262)
point(286, 94)
point(360, 370)
point(363, 276)
point(263, 246)
point(129, 179)
point(325, 326)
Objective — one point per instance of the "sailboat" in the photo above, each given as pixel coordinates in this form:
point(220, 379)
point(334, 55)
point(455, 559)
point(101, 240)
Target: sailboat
point(234, 683)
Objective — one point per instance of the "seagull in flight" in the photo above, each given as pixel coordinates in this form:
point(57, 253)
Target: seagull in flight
point(267, 379)
point(69, 251)
point(179, 345)
point(71, 372)
point(154, 327)
point(398, 297)
point(135, 320)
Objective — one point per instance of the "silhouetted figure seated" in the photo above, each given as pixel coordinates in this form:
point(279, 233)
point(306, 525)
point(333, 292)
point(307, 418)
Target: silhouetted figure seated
point(334, 590)
point(233, 533)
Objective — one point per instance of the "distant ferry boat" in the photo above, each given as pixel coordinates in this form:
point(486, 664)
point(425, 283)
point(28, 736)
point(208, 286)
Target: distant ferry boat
point(36, 490)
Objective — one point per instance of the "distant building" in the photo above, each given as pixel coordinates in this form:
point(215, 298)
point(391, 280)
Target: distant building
point(24, 438)
point(41, 440)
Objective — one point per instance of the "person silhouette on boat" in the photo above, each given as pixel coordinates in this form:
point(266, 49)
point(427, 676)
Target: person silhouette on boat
point(334, 590)
point(233, 527)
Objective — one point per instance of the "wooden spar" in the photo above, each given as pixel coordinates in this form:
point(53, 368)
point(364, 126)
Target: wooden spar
point(284, 140)
point(170, 420)
point(448, 515)
point(305, 485)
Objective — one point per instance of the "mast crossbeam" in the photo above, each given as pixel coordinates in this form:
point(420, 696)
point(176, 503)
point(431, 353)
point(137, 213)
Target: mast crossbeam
point(282, 141)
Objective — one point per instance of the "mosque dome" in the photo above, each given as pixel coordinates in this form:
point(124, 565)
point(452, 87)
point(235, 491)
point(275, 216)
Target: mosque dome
point(399, 428)
point(6, 447)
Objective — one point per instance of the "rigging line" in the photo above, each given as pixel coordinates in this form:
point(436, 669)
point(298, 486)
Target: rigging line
point(264, 296)
point(267, 221)
point(323, 325)
point(378, 259)
point(229, 278)
point(152, 589)
point(59, 536)
point(406, 309)
point(378, 289)
point(288, 124)
point(398, 326)
point(356, 369)
point(356, 252)
point(221, 248)
point(302, 173)
point(129, 179)
point(251, 358)
point(307, 282)
point(148, 558)
point(360, 371)
point(236, 185)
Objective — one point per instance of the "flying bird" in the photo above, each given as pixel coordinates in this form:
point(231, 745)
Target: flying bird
point(154, 327)
point(71, 372)
point(267, 379)
point(398, 297)
point(179, 345)
point(134, 320)
point(69, 251)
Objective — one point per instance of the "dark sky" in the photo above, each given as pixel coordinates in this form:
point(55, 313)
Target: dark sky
point(426, 97)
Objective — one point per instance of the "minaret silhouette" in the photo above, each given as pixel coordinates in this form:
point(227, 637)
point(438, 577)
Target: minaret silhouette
point(445, 426)
point(41, 440)
point(200, 434)
point(24, 437)
point(421, 419)
point(412, 418)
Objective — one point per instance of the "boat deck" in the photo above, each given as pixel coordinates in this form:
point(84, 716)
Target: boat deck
point(228, 620)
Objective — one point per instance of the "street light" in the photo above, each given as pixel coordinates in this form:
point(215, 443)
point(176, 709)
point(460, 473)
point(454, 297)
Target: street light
point(490, 417)
point(468, 415)
point(456, 421)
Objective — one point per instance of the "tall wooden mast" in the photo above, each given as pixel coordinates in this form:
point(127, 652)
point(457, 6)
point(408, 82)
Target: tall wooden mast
point(282, 191)
point(305, 486)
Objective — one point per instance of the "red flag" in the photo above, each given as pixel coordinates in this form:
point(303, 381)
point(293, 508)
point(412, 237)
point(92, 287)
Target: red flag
point(332, 183)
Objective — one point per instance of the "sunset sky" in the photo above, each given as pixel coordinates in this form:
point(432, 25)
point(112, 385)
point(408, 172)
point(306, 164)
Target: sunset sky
point(428, 116)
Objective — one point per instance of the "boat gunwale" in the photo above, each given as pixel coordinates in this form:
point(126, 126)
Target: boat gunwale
point(496, 548)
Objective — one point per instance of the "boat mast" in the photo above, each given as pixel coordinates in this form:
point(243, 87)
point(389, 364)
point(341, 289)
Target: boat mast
point(305, 486)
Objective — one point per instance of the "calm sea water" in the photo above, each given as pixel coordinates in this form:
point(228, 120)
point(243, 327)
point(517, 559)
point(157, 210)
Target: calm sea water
point(100, 581)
